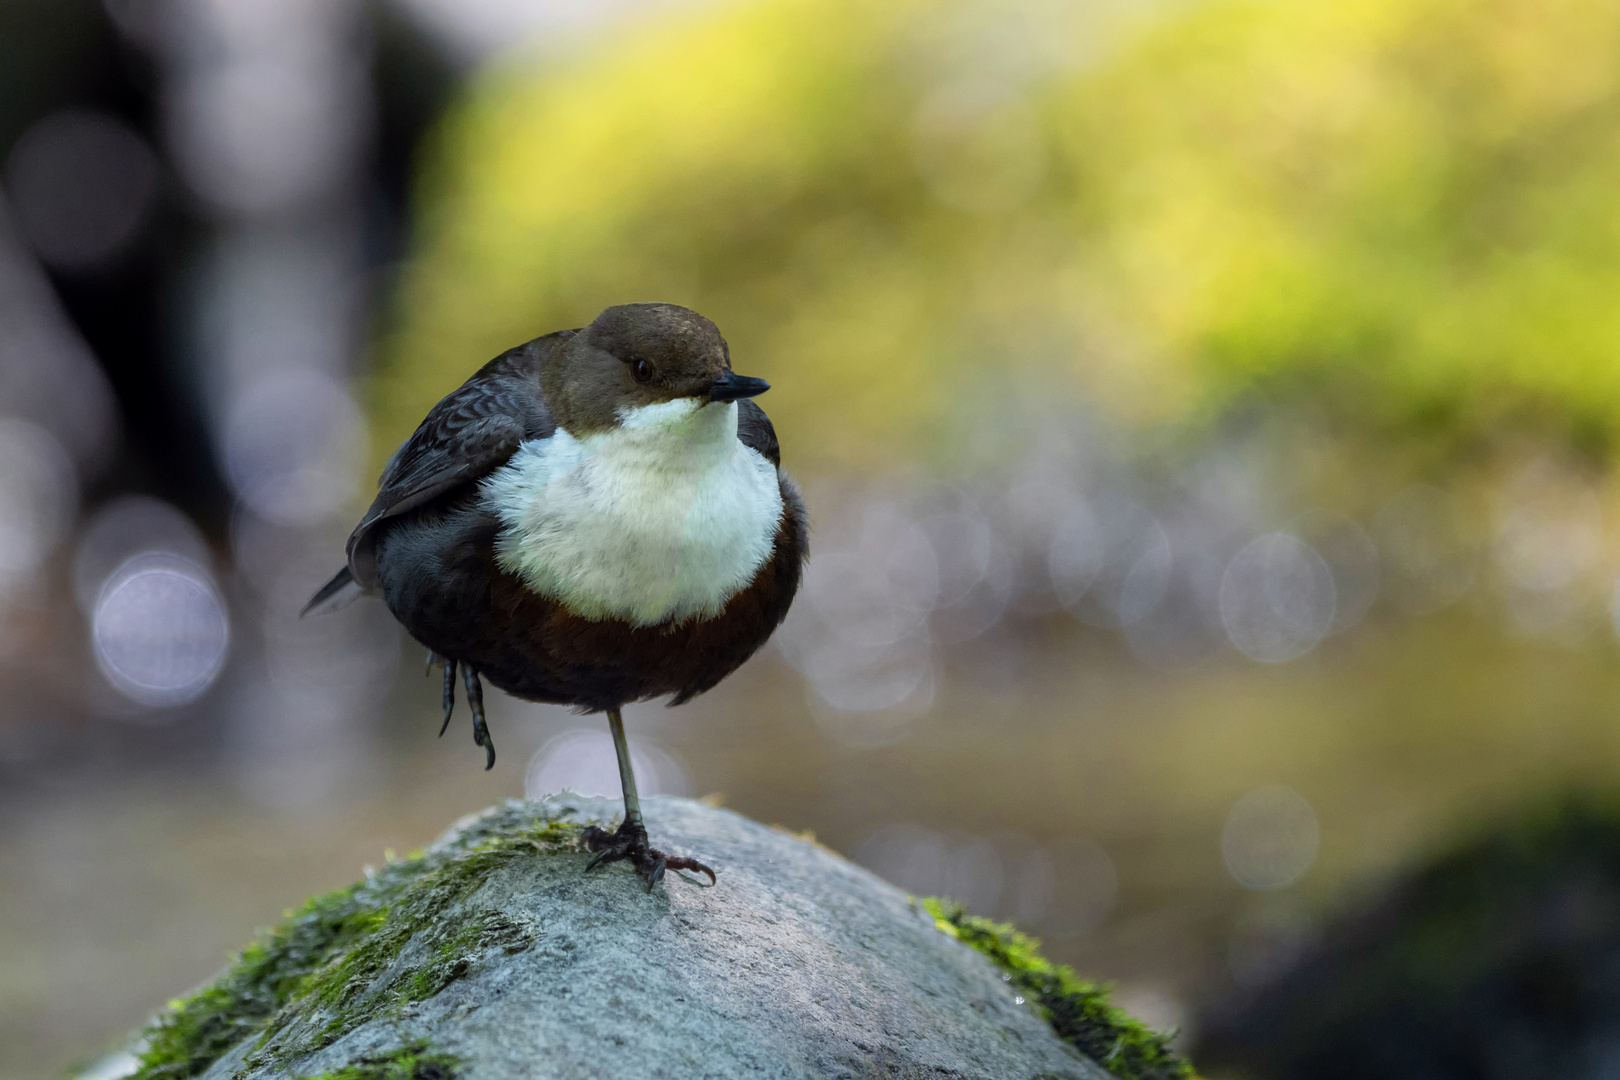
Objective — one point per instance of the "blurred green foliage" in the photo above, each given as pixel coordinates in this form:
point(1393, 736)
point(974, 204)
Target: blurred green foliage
point(1399, 213)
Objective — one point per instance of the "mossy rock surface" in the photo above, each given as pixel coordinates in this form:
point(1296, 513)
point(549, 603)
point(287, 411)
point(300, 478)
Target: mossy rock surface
point(493, 954)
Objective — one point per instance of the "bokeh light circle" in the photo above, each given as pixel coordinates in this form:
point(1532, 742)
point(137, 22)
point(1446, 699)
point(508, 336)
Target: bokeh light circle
point(1277, 598)
point(82, 184)
point(1270, 838)
point(583, 761)
point(160, 630)
point(126, 526)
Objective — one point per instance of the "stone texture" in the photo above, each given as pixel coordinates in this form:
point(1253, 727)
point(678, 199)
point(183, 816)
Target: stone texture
point(797, 964)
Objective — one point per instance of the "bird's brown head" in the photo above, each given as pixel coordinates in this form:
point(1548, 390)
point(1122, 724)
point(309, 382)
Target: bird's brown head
point(639, 354)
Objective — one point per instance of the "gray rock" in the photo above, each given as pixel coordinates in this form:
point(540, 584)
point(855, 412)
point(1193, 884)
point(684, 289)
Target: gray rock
point(797, 964)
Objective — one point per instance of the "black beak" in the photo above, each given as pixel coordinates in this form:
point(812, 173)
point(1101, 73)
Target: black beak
point(733, 387)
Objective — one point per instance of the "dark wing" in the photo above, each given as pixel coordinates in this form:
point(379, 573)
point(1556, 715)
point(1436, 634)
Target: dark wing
point(465, 437)
point(754, 431)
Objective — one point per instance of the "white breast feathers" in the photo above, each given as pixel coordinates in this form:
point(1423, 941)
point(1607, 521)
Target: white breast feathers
point(664, 518)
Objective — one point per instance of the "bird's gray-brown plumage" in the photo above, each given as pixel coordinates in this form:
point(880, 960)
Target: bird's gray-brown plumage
point(430, 542)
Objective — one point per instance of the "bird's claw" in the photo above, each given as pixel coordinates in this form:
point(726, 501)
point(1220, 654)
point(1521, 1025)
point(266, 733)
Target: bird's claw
point(605, 856)
point(681, 862)
point(629, 842)
point(449, 666)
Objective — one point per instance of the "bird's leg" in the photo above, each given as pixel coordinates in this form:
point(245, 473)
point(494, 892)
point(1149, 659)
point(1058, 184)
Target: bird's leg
point(475, 702)
point(449, 666)
point(627, 774)
point(632, 833)
point(629, 840)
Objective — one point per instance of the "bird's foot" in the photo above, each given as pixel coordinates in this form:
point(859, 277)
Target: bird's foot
point(629, 842)
point(475, 702)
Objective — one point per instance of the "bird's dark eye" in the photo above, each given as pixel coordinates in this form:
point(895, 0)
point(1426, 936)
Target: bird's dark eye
point(642, 370)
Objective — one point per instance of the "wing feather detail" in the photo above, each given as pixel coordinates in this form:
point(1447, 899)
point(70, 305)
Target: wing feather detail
point(470, 433)
point(754, 430)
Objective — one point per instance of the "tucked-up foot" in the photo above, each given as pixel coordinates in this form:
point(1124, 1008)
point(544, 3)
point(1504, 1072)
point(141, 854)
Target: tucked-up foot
point(449, 667)
point(475, 702)
point(629, 842)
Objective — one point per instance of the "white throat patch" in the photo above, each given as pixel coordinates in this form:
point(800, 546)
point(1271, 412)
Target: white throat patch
point(664, 518)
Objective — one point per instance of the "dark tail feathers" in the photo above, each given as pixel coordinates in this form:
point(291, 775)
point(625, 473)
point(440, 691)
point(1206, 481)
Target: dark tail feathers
point(340, 581)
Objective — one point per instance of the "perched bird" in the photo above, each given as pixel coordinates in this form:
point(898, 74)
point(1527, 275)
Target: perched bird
point(596, 517)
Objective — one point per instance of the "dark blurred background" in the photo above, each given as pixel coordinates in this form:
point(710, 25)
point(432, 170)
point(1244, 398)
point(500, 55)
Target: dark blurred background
point(1207, 413)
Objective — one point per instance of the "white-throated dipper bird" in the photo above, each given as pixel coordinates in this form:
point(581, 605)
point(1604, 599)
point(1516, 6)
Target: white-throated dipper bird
point(596, 517)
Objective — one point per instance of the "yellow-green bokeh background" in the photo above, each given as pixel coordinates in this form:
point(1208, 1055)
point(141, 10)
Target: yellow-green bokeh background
point(909, 215)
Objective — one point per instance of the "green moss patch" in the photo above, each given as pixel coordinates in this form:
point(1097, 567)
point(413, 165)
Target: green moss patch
point(343, 958)
point(413, 1062)
point(1077, 1010)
